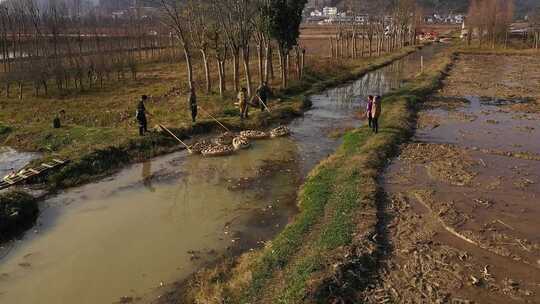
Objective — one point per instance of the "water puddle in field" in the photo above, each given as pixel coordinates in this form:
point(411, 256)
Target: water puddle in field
point(12, 160)
point(475, 166)
point(155, 223)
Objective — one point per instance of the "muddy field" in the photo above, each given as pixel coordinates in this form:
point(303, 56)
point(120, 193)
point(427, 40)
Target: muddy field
point(461, 206)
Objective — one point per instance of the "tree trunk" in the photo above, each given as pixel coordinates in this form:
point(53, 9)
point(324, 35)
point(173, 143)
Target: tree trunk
point(347, 44)
point(283, 68)
point(380, 46)
point(298, 64)
point(331, 47)
point(363, 45)
point(236, 69)
point(268, 61)
point(207, 71)
point(189, 66)
point(260, 61)
point(245, 54)
point(221, 67)
point(20, 90)
point(303, 63)
point(354, 46)
point(271, 61)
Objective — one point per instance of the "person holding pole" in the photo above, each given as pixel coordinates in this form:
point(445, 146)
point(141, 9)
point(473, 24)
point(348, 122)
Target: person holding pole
point(140, 115)
point(243, 103)
point(192, 102)
point(262, 92)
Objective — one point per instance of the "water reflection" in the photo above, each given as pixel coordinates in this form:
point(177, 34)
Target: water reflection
point(11, 159)
point(147, 176)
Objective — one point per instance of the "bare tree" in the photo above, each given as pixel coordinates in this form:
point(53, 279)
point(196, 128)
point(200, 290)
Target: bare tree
point(535, 28)
point(489, 21)
point(218, 44)
point(198, 17)
point(174, 17)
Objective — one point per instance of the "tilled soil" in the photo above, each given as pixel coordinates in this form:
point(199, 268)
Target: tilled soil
point(461, 202)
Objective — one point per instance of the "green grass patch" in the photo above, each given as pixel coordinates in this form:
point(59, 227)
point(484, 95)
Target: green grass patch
point(4, 130)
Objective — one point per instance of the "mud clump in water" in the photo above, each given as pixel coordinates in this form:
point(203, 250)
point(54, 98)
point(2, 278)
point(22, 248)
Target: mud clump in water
point(263, 173)
point(444, 162)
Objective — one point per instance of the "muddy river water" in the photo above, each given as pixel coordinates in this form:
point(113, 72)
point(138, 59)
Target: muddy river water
point(156, 223)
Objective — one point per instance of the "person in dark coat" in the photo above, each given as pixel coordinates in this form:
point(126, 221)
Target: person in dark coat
point(192, 101)
point(263, 93)
point(141, 116)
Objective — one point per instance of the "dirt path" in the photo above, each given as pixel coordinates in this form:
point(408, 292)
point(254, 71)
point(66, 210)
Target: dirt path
point(461, 202)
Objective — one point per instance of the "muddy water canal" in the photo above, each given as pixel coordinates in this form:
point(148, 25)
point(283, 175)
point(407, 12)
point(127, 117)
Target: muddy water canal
point(156, 223)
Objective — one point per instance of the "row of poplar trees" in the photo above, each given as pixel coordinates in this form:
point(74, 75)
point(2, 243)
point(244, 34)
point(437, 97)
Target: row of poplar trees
point(62, 45)
point(384, 30)
point(230, 30)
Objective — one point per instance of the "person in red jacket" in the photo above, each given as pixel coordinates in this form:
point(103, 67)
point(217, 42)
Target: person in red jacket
point(376, 113)
point(369, 109)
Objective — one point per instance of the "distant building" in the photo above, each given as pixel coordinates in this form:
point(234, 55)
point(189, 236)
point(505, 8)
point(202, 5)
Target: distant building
point(362, 19)
point(459, 18)
point(429, 19)
point(330, 11)
point(316, 13)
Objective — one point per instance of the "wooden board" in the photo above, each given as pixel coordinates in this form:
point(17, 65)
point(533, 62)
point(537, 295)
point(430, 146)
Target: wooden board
point(20, 177)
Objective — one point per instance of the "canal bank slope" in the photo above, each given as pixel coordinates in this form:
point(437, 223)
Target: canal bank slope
point(336, 229)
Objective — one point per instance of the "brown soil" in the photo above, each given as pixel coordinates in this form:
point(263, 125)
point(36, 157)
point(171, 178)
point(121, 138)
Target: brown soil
point(460, 213)
point(503, 77)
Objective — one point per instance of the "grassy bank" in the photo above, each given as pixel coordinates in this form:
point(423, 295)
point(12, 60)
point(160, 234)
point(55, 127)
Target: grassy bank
point(334, 231)
point(100, 136)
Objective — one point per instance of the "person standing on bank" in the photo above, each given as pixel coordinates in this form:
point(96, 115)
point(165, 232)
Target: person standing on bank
point(376, 113)
point(369, 110)
point(141, 116)
point(192, 101)
point(263, 92)
point(242, 103)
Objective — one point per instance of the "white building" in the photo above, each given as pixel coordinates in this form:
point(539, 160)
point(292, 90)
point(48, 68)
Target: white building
point(316, 13)
point(459, 18)
point(330, 11)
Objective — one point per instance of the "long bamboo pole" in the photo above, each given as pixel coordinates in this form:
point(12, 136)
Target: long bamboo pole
point(227, 129)
point(172, 134)
point(266, 107)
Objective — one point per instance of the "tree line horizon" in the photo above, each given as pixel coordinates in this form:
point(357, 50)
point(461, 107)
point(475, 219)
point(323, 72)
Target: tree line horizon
point(44, 47)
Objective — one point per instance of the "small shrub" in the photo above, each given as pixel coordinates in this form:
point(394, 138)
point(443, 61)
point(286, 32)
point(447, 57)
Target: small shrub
point(18, 212)
point(4, 130)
